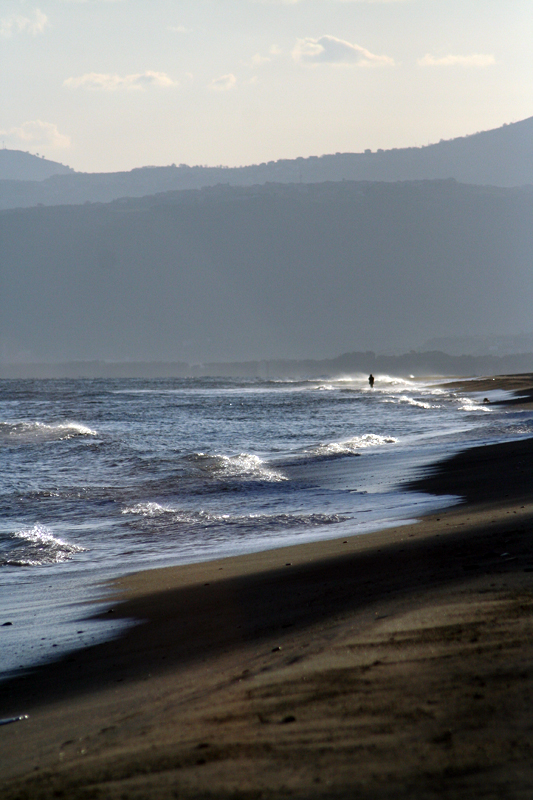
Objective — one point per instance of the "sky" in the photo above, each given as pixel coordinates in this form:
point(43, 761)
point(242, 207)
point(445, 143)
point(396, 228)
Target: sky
point(109, 85)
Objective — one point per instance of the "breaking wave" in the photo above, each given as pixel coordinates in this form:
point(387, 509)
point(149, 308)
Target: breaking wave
point(244, 466)
point(469, 404)
point(352, 446)
point(417, 403)
point(36, 546)
point(23, 432)
point(168, 515)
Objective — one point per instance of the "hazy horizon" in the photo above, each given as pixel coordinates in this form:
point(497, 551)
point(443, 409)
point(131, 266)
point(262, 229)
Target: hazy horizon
point(277, 271)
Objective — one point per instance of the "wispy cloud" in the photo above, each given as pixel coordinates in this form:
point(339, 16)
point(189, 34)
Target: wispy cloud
point(97, 81)
point(330, 50)
point(258, 59)
point(224, 83)
point(178, 29)
point(473, 60)
point(18, 23)
point(36, 132)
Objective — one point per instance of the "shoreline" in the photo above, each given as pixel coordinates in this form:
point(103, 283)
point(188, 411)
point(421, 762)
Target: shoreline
point(393, 663)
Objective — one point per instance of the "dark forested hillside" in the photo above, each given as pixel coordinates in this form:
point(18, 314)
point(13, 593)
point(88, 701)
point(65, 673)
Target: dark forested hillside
point(300, 271)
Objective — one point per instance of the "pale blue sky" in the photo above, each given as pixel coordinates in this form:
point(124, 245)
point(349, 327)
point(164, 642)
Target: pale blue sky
point(113, 84)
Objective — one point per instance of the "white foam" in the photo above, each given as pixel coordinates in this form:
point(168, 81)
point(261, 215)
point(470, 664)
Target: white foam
point(249, 466)
point(42, 431)
point(417, 403)
point(147, 509)
point(39, 547)
point(469, 404)
point(391, 380)
point(352, 445)
point(152, 510)
point(243, 465)
point(174, 515)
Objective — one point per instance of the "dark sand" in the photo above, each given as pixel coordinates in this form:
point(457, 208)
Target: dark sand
point(397, 664)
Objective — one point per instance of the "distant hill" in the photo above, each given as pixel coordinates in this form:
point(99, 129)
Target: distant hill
point(273, 272)
point(481, 345)
point(501, 157)
point(411, 365)
point(16, 165)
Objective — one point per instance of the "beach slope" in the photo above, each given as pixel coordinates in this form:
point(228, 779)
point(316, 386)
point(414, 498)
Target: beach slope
point(394, 664)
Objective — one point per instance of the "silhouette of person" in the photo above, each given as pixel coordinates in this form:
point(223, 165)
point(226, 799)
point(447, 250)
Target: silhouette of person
point(371, 380)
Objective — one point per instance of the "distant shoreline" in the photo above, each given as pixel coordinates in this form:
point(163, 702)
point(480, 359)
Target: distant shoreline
point(419, 365)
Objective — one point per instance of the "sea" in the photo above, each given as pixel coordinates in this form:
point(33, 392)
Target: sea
point(99, 478)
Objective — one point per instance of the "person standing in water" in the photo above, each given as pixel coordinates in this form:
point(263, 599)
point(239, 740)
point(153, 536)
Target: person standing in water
point(371, 380)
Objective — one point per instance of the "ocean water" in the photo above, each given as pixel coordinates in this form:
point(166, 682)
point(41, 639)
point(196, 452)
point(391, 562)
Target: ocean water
point(103, 477)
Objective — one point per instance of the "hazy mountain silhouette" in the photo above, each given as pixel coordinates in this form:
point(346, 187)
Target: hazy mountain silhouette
point(492, 345)
point(411, 364)
point(500, 157)
point(20, 166)
point(280, 271)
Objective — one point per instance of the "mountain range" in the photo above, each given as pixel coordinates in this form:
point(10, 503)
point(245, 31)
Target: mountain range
point(500, 157)
point(290, 271)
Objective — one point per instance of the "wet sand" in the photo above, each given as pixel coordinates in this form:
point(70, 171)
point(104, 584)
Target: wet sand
point(397, 664)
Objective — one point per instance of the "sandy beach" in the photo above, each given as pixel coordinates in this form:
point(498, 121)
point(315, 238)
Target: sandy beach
point(397, 664)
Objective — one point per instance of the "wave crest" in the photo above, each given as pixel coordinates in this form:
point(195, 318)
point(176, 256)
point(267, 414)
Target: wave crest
point(412, 401)
point(352, 446)
point(204, 519)
point(37, 546)
point(469, 404)
point(42, 431)
point(244, 466)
